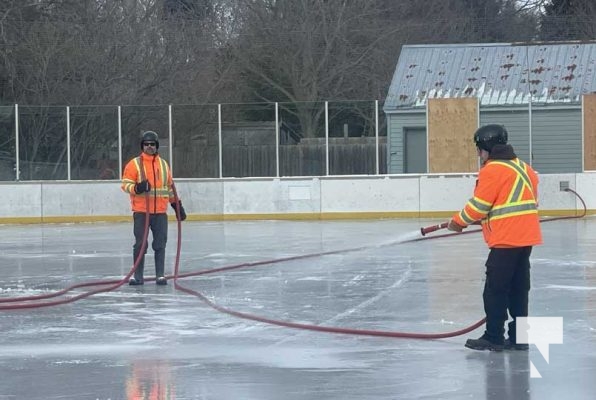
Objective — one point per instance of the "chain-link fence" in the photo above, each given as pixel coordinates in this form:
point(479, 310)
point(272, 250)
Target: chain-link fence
point(199, 141)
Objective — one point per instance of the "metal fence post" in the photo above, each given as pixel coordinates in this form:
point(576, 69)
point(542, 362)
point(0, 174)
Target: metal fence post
point(327, 138)
point(119, 142)
point(377, 136)
point(530, 129)
point(277, 139)
point(68, 143)
point(219, 140)
point(528, 80)
point(16, 143)
point(583, 110)
point(170, 139)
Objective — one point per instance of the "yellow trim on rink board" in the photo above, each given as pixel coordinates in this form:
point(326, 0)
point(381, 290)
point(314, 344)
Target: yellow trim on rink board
point(328, 216)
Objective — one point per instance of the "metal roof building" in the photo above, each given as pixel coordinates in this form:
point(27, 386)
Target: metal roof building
point(497, 74)
point(514, 84)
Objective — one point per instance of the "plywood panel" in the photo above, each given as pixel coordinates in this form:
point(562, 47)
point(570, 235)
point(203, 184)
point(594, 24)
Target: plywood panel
point(451, 126)
point(589, 108)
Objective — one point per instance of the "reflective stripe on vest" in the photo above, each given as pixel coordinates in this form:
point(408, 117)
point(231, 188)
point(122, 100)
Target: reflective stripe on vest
point(515, 205)
point(162, 191)
point(140, 169)
point(479, 206)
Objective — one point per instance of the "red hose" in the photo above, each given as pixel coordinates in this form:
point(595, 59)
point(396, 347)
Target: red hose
point(288, 324)
point(468, 231)
point(330, 329)
point(114, 284)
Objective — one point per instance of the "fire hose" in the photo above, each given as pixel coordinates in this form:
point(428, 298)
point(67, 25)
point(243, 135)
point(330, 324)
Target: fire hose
point(330, 329)
point(33, 301)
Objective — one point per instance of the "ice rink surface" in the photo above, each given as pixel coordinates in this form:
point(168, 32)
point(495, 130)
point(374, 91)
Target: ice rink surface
point(156, 342)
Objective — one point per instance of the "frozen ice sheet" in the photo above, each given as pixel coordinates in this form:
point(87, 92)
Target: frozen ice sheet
point(129, 342)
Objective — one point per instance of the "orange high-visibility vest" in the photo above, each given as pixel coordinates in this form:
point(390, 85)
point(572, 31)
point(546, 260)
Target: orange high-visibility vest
point(505, 201)
point(157, 172)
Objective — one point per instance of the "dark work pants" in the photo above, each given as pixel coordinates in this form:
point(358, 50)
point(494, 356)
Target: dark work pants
point(158, 223)
point(506, 288)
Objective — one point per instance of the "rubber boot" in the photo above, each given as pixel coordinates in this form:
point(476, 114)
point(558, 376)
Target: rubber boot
point(137, 278)
point(160, 258)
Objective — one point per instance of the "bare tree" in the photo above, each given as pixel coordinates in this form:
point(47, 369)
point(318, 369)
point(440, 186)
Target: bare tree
point(300, 52)
point(99, 52)
point(568, 20)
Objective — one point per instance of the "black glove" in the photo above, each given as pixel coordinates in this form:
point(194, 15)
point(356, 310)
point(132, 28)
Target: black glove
point(142, 187)
point(181, 214)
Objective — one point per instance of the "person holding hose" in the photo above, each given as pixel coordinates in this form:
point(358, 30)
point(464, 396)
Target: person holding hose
point(148, 180)
point(505, 202)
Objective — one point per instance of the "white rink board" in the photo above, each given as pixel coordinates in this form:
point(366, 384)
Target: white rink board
point(389, 194)
point(271, 196)
point(409, 194)
point(445, 192)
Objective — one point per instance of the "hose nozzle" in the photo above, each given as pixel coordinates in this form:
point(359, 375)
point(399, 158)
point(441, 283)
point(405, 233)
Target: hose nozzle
point(433, 228)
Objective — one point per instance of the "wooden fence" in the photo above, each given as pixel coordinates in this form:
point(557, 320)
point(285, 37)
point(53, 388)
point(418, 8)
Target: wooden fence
point(347, 156)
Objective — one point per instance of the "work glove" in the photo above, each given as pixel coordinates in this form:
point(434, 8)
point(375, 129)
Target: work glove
point(455, 227)
point(142, 187)
point(181, 214)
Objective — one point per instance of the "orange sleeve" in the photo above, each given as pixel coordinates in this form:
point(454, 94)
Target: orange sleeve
point(485, 195)
point(129, 177)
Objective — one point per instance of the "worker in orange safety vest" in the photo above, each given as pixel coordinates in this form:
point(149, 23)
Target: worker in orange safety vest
point(148, 180)
point(506, 204)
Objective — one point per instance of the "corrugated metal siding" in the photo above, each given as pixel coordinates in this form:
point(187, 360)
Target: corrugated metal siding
point(498, 74)
point(396, 124)
point(556, 137)
point(557, 141)
point(517, 124)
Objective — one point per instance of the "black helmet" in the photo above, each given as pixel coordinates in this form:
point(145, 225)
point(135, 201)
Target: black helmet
point(487, 136)
point(150, 136)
